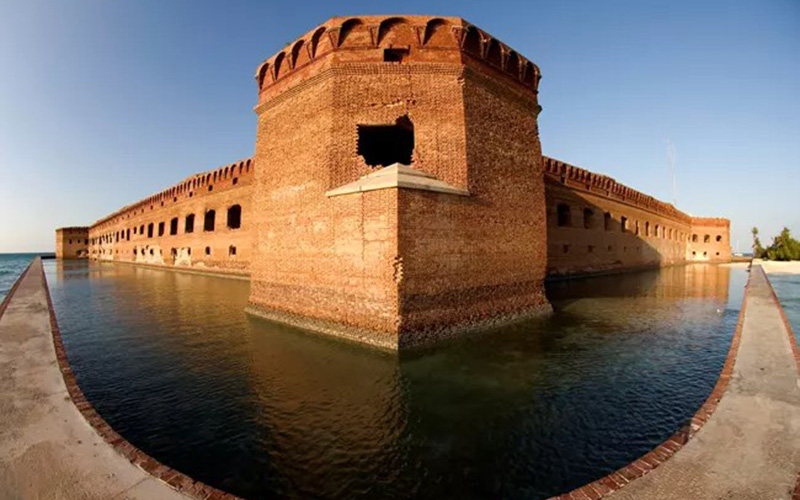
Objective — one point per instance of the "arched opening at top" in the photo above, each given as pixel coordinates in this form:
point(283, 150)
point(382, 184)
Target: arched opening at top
point(315, 39)
point(353, 32)
point(563, 215)
point(235, 217)
point(719, 238)
point(493, 54)
point(436, 33)
point(384, 145)
point(395, 31)
point(208, 221)
point(706, 238)
point(512, 65)
point(472, 41)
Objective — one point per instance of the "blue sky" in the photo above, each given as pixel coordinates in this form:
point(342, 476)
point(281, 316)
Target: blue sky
point(103, 103)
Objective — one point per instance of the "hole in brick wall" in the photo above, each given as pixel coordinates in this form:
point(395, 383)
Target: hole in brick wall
point(235, 181)
point(189, 225)
point(235, 217)
point(208, 221)
point(384, 145)
point(231, 250)
point(210, 188)
point(161, 229)
point(395, 55)
point(719, 238)
point(208, 250)
point(173, 226)
point(588, 218)
point(564, 216)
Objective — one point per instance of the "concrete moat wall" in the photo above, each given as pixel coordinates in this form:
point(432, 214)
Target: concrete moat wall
point(398, 194)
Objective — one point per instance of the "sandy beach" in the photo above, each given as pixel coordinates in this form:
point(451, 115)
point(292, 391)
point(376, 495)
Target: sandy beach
point(774, 267)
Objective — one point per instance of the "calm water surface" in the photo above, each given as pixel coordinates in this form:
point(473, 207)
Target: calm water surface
point(265, 411)
point(787, 288)
point(11, 266)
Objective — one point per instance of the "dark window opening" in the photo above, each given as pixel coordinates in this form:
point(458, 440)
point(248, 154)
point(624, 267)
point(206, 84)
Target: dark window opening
point(623, 224)
point(150, 230)
point(210, 188)
point(208, 250)
point(208, 221)
point(231, 250)
point(173, 226)
point(235, 217)
point(189, 224)
point(719, 238)
point(128, 235)
point(384, 145)
point(563, 215)
point(588, 218)
point(395, 55)
point(607, 220)
point(694, 238)
point(706, 238)
point(161, 229)
point(235, 181)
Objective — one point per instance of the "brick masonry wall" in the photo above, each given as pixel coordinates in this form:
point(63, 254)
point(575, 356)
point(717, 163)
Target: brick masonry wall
point(585, 217)
point(72, 243)
point(126, 235)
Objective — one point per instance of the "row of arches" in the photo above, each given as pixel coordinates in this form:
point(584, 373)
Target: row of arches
point(150, 230)
point(706, 238)
point(590, 220)
point(398, 32)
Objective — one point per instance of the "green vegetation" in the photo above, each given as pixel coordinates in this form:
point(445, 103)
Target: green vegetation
point(783, 247)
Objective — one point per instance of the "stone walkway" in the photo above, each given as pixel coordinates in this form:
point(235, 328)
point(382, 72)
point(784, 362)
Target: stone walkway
point(47, 448)
point(750, 447)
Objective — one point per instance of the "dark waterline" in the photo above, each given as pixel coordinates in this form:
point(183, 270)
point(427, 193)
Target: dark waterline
point(264, 411)
point(787, 288)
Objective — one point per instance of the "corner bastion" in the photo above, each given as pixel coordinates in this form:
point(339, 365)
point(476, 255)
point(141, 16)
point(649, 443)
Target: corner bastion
point(398, 195)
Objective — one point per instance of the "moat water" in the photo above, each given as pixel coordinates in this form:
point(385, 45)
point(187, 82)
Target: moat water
point(265, 411)
point(787, 288)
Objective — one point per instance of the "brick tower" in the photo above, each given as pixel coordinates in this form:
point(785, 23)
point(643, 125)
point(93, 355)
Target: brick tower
point(399, 198)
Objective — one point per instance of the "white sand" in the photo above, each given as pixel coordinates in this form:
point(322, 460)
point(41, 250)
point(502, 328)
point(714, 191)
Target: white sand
point(773, 267)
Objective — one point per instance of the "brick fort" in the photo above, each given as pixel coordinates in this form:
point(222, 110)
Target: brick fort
point(398, 194)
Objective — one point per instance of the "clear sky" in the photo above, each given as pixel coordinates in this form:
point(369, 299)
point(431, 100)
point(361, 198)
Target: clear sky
point(105, 102)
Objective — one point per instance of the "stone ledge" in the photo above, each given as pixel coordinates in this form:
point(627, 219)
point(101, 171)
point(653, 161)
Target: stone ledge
point(397, 176)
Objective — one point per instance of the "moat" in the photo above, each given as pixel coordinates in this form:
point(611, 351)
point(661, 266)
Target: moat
point(264, 411)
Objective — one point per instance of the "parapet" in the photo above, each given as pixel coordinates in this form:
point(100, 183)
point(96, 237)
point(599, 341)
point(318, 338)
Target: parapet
point(229, 175)
point(422, 39)
point(580, 178)
point(711, 221)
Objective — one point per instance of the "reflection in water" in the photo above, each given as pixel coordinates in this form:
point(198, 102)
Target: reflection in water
point(262, 410)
